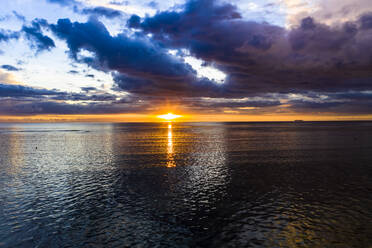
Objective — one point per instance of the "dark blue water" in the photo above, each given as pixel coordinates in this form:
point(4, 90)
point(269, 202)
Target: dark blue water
point(186, 185)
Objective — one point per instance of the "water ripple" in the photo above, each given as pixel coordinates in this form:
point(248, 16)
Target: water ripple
point(188, 185)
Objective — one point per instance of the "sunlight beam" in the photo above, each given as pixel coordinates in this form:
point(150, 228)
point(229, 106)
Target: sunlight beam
point(169, 116)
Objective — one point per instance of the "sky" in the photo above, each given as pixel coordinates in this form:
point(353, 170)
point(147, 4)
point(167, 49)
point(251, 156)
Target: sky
point(208, 60)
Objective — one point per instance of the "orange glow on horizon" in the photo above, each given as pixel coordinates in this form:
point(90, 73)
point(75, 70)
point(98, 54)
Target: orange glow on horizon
point(184, 118)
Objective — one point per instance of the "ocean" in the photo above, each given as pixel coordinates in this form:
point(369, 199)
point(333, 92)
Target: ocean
point(304, 184)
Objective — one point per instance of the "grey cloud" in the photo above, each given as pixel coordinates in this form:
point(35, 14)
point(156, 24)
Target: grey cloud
point(10, 68)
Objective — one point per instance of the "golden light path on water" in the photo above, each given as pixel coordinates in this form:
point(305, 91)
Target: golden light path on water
point(170, 151)
point(170, 158)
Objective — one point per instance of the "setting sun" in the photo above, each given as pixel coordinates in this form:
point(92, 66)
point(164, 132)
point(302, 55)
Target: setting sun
point(169, 116)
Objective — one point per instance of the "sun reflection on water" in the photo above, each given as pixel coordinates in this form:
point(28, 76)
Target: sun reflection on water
point(170, 157)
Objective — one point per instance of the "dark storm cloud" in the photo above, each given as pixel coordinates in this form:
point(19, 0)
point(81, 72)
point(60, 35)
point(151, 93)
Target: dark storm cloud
point(330, 66)
point(121, 53)
point(257, 57)
point(219, 104)
point(130, 83)
point(34, 33)
point(357, 107)
point(10, 90)
point(261, 58)
point(139, 63)
point(10, 68)
point(366, 21)
point(351, 102)
point(352, 96)
point(102, 97)
point(50, 107)
point(23, 100)
point(240, 104)
point(22, 92)
point(165, 87)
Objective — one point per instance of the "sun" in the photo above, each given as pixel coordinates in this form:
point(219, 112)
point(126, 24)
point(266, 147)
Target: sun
point(169, 116)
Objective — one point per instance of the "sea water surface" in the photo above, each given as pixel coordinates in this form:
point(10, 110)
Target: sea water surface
point(186, 185)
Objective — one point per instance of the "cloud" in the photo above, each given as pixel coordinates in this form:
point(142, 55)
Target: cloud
point(121, 53)
point(153, 4)
point(102, 11)
point(21, 92)
point(99, 97)
point(366, 21)
point(50, 107)
point(14, 14)
point(326, 64)
point(219, 104)
point(34, 34)
point(6, 35)
point(80, 8)
point(10, 90)
point(64, 2)
point(19, 16)
point(88, 89)
point(330, 12)
point(138, 63)
point(10, 68)
point(263, 58)
point(119, 3)
point(25, 100)
point(30, 101)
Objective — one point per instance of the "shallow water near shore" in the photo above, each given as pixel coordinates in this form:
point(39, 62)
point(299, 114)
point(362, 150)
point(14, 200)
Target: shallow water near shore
point(186, 184)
